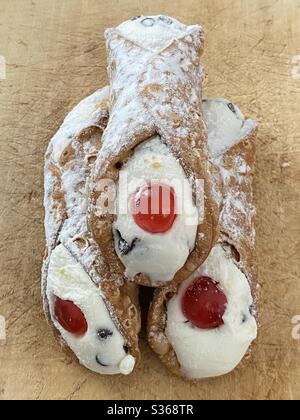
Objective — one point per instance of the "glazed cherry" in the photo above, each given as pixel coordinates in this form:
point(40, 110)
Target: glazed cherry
point(153, 208)
point(204, 303)
point(70, 317)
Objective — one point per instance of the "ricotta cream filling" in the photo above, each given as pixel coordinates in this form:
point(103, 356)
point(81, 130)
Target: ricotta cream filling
point(68, 281)
point(159, 256)
point(209, 353)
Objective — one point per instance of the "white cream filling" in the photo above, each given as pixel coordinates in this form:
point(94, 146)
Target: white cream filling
point(226, 125)
point(159, 256)
point(68, 281)
point(154, 32)
point(215, 352)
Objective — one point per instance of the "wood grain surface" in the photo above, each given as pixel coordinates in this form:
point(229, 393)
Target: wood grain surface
point(55, 56)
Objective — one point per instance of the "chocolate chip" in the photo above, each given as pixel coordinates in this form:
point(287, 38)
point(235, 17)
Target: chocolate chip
point(231, 107)
point(118, 166)
point(252, 310)
point(99, 361)
point(148, 22)
point(135, 17)
point(104, 333)
point(166, 19)
point(126, 349)
point(125, 247)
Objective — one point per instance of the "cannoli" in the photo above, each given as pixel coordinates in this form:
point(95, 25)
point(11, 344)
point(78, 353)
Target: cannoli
point(95, 316)
point(153, 152)
point(205, 326)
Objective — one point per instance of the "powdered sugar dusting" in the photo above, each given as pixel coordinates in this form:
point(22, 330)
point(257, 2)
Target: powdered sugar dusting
point(226, 125)
point(238, 211)
point(154, 32)
point(54, 213)
point(132, 69)
point(66, 185)
point(85, 114)
point(227, 130)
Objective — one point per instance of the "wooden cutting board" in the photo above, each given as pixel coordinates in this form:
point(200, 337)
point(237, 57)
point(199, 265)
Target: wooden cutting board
point(55, 56)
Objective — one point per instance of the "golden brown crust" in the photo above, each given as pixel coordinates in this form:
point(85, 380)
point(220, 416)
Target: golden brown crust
point(243, 247)
point(244, 243)
point(156, 327)
point(163, 106)
point(77, 158)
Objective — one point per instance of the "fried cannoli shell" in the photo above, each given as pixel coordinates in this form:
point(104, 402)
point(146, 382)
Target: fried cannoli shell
point(154, 102)
point(65, 220)
point(233, 172)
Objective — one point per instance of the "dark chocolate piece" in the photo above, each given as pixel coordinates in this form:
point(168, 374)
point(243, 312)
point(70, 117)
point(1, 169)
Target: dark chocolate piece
point(244, 318)
point(166, 19)
point(231, 107)
point(125, 247)
point(104, 333)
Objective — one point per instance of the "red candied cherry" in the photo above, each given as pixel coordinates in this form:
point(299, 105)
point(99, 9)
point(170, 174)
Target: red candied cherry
point(70, 317)
point(153, 208)
point(204, 303)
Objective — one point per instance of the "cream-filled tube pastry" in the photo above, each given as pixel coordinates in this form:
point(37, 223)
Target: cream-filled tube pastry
point(205, 327)
point(143, 209)
point(95, 314)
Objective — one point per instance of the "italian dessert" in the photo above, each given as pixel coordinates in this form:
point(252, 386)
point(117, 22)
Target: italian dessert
point(94, 315)
point(156, 136)
point(204, 327)
point(147, 183)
